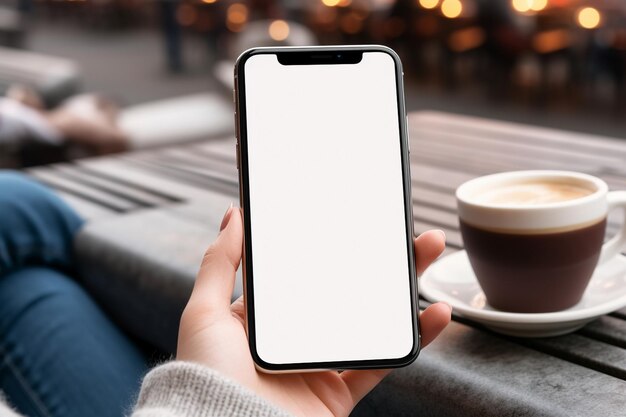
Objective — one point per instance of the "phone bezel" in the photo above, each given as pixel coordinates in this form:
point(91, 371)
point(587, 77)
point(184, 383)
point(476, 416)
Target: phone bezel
point(242, 163)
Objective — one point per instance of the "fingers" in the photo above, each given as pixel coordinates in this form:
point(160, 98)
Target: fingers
point(216, 278)
point(432, 321)
point(238, 309)
point(226, 218)
point(428, 246)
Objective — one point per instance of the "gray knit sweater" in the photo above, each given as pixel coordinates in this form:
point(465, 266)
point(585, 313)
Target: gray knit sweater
point(183, 389)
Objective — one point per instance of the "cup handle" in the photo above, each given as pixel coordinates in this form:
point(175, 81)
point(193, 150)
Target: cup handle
point(615, 199)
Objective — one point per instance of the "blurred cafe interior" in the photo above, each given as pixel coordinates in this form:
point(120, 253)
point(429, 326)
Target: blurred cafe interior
point(554, 63)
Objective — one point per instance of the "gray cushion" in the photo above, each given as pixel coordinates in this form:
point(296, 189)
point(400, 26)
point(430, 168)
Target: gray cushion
point(141, 266)
point(177, 120)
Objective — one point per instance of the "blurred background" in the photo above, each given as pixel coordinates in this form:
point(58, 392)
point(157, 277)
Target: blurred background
point(160, 71)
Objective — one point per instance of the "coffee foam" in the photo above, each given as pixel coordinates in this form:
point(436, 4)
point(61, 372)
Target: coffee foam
point(531, 194)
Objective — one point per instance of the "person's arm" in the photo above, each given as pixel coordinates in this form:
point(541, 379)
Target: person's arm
point(185, 389)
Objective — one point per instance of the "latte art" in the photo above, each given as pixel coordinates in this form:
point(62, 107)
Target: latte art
point(531, 193)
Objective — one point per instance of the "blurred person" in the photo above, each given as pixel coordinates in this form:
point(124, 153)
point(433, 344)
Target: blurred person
point(605, 52)
point(507, 38)
point(60, 355)
point(172, 33)
point(88, 121)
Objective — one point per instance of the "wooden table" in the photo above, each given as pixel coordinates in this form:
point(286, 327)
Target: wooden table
point(153, 213)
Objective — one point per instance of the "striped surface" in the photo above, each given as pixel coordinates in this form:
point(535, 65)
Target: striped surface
point(446, 150)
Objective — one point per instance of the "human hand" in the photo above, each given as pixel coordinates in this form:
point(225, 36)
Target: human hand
point(212, 333)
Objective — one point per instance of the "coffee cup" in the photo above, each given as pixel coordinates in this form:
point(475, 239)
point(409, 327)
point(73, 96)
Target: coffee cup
point(534, 238)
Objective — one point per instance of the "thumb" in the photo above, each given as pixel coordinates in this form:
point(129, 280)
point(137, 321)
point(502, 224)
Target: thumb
point(216, 279)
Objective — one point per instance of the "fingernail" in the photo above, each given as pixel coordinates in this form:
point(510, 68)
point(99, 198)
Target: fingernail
point(227, 216)
point(449, 306)
point(442, 233)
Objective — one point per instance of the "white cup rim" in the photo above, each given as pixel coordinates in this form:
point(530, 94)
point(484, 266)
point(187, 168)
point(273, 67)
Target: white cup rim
point(472, 185)
point(539, 218)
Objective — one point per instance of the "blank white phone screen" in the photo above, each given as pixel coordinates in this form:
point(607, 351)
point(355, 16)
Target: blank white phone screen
point(330, 265)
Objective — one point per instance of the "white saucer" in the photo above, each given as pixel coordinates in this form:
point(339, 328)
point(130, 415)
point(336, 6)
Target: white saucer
point(451, 279)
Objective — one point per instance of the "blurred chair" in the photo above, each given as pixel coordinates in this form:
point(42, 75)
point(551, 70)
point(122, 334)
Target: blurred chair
point(177, 120)
point(52, 77)
point(171, 121)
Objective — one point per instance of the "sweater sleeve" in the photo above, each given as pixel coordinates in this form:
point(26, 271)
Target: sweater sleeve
point(5, 410)
point(183, 389)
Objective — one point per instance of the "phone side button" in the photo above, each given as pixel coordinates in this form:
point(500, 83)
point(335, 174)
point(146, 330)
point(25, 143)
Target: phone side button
point(406, 128)
point(237, 152)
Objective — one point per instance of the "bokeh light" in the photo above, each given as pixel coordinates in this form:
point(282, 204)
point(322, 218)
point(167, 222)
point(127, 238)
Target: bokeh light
point(466, 39)
point(525, 6)
point(428, 4)
point(538, 5)
point(352, 23)
point(331, 3)
point(522, 6)
point(589, 18)
point(186, 15)
point(451, 8)
point(236, 16)
point(278, 30)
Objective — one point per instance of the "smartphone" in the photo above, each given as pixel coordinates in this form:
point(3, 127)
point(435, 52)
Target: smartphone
point(323, 157)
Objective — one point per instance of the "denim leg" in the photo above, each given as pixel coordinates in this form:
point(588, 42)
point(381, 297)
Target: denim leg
point(60, 355)
point(36, 226)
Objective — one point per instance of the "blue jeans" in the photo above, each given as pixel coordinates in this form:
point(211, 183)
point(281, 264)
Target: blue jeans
point(60, 355)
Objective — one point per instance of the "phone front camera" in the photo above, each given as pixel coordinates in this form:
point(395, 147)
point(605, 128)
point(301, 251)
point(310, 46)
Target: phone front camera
point(339, 56)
